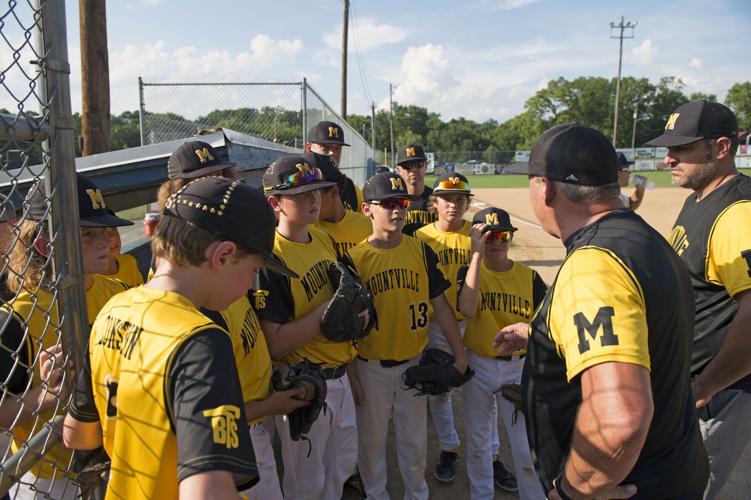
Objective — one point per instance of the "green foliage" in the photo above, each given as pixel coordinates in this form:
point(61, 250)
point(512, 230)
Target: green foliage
point(739, 100)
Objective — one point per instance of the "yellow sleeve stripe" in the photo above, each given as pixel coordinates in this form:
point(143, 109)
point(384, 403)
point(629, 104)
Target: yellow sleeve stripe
point(707, 278)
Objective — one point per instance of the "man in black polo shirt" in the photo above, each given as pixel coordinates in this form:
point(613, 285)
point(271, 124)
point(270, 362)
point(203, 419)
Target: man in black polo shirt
point(411, 165)
point(712, 235)
point(606, 385)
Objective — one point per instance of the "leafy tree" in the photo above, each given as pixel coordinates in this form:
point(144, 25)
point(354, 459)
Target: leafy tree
point(739, 100)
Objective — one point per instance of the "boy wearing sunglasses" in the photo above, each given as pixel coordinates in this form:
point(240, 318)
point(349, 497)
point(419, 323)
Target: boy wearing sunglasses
point(291, 321)
point(411, 166)
point(494, 292)
point(402, 273)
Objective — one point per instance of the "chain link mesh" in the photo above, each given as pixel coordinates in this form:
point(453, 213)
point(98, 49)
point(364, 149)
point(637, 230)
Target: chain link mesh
point(35, 373)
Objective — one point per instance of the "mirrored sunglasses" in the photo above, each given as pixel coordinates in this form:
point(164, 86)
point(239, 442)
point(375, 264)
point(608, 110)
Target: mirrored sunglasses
point(392, 203)
point(499, 235)
point(300, 178)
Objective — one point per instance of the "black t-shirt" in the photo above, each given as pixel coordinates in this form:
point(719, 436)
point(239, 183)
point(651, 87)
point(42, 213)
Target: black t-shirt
point(620, 282)
point(418, 214)
point(712, 238)
point(203, 375)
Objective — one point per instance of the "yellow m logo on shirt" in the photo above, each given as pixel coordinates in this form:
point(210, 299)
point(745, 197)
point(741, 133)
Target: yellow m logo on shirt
point(204, 155)
point(224, 425)
point(333, 132)
point(97, 200)
point(396, 183)
point(670, 125)
point(410, 152)
point(491, 219)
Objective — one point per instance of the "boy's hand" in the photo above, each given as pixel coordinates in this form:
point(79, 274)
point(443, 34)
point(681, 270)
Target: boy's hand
point(512, 338)
point(52, 372)
point(284, 402)
point(479, 236)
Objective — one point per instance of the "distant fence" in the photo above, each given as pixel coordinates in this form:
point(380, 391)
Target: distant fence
point(280, 112)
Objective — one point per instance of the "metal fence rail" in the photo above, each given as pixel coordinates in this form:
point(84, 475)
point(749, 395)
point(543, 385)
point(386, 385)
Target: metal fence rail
point(40, 259)
point(280, 112)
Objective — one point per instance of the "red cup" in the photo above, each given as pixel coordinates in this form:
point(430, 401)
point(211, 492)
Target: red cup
point(150, 220)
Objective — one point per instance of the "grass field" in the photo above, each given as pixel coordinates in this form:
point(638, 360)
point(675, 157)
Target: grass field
point(661, 178)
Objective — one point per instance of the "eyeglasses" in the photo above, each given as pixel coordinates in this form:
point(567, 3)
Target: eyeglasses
point(300, 178)
point(392, 203)
point(453, 185)
point(413, 164)
point(499, 235)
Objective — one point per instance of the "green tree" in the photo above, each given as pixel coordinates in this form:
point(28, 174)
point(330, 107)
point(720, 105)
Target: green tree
point(739, 100)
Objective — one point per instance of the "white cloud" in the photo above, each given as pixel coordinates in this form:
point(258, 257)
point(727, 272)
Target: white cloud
point(367, 33)
point(645, 53)
point(696, 63)
point(513, 4)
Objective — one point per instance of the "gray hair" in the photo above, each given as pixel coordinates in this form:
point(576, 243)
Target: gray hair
point(584, 195)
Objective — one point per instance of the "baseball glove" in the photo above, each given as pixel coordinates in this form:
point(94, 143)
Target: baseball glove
point(435, 374)
point(350, 315)
point(309, 376)
point(513, 394)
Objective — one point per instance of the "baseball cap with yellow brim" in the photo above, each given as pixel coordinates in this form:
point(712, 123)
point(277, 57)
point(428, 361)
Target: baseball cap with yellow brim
point(451, 182)
point(92, 209)
point(224, 207)
point(292, 174)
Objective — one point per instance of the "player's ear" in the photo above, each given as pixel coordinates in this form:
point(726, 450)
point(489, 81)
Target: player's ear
point(275, 203)
point(219, 253)
point(548, 190)
point(366, 209)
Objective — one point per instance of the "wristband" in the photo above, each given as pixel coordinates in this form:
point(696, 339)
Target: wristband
point(558, 484)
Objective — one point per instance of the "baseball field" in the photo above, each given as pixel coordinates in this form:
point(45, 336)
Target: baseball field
point(544, 253)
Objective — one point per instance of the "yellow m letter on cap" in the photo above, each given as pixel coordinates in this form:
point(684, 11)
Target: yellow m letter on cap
point(454, 180)
point(333, 132)
point(410, 151)
point(97, 200)
point(491, 219)
point(670, 125)
point(204, 155)
point(396, 183)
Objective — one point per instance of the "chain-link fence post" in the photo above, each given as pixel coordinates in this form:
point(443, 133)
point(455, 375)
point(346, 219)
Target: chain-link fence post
point(304, 110)
point(141, 109)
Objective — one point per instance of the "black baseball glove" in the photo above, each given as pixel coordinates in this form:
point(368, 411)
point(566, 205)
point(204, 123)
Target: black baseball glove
point(310, 376)
point(350, 315)
point(513, 394)
point(435, 374)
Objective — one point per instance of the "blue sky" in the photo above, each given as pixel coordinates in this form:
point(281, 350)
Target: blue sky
point(479, 59)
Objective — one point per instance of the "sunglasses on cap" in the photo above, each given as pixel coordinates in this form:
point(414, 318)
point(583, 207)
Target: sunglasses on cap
point(413, 164)
point(449, 185)
point(499, 235)
point(392, 203)
point(300, 178)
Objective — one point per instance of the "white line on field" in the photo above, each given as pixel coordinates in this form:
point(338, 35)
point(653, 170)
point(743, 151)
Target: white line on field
point(480, 205)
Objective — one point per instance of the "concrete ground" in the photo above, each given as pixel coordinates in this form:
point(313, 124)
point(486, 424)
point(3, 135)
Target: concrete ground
point(544, 253)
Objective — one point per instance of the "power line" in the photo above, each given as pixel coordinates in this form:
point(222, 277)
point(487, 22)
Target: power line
point(358, 53)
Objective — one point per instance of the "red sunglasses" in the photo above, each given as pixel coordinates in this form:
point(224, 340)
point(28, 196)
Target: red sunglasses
point(499, 235)
point(392, 203)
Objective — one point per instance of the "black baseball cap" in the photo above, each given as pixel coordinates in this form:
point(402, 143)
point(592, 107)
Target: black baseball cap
point(229, 209)
point(326, 165)
point(495, 218)
point(451, 182)
point(92, 209)
point(384, 185)
point(195, 159)
point(574, 154)
point(623, 162)
point(697, 120)
point(292, 174)
point(410, 153)
point(327, 133)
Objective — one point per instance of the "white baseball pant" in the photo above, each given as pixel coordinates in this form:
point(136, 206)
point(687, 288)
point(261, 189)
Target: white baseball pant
point(267, 488)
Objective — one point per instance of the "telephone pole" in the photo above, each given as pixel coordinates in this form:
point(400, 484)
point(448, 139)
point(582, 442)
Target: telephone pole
point(95, 79)
point(391, 123)
point(345, 33)
point(620, 29)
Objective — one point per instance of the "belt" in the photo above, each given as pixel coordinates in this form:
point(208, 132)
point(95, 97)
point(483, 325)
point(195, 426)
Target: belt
point(386, 363)
point(509, 358)
point(334, 373)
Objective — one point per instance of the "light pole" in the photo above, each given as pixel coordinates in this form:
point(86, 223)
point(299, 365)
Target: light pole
point(620, 28)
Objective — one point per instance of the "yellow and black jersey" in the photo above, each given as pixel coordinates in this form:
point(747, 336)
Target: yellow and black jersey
point(418, 214)
point(403, 280)
point(161, 380)
point(506, 297)
point(454, 251)
point(348, 232)
point(621, 295)
point(351, 196)
point(30, 327)
point(249, 345)
point(712, 237)
point(127, 271)
point(289, 299)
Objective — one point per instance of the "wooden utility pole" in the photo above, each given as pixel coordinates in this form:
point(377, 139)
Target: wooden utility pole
point(95, 77)
point(391, 123)
point(345, 32)
point(619, 29)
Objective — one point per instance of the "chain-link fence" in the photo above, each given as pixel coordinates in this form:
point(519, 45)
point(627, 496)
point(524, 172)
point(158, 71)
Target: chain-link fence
point(278, 112)
point(43, 308)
